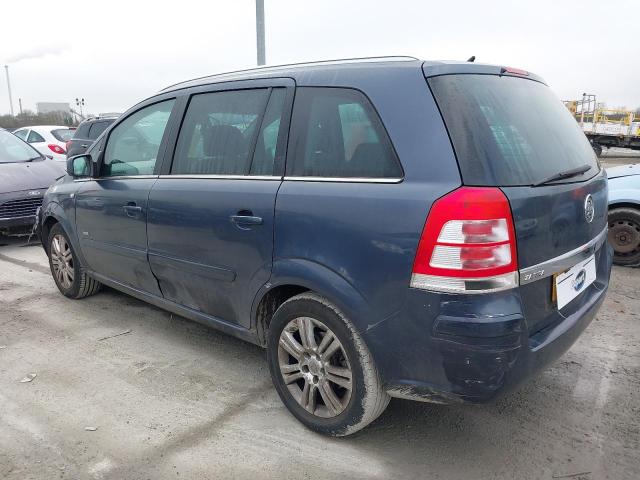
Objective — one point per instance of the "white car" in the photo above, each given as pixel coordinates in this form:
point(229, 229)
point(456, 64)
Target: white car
point(50, 140)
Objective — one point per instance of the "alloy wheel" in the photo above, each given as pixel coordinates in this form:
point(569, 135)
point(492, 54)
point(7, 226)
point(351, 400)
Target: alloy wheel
point(315, 368)
point(62, 261)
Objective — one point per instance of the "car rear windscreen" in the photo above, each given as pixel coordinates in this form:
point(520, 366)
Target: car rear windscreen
point(62, 134)
point(510, 131)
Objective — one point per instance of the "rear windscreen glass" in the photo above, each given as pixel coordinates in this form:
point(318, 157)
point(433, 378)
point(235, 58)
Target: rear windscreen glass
point(63, 134)
point(510, 131)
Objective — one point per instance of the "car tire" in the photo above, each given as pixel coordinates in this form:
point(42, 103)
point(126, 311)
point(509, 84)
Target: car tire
point(68, 274)
point(332, 388)
point(597, 148)
point(624, 236)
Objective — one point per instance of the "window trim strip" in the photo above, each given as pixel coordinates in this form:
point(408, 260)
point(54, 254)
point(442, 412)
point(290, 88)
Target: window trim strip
point(564, 261)
point(202, 176)
point(344, 179)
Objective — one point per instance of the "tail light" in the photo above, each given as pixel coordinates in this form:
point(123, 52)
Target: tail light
point(56, 148)
point(67, 145)
point(468, 244)
point(514, 71)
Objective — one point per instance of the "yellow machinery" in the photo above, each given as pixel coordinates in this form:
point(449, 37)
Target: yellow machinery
point(606, 127)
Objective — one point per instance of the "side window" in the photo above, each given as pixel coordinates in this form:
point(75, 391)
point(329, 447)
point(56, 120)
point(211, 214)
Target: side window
point(96, 129)
point(21, 134)
point(265, 154)
point(82, 131)
point(132, 147)
point(337, 133)
point(218, 132)
point(35, 137)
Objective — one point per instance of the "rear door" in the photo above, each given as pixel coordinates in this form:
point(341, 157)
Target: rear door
point(514, 133)
point(211, 213)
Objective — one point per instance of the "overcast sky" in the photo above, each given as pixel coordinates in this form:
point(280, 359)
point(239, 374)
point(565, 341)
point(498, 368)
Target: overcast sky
point(119, 52)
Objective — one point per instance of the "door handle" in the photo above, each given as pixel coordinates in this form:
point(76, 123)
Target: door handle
point(245, 219)
point(84, 145)
point(132, 210)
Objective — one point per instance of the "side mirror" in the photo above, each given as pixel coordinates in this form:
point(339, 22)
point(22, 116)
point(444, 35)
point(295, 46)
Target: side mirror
point(79, 166)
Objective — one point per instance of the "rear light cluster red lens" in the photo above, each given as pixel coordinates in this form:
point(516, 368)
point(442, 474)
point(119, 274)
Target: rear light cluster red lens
point(468, 244)
point(56, 148)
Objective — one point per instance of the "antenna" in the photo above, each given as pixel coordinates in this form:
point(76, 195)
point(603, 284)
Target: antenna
point(471, 59)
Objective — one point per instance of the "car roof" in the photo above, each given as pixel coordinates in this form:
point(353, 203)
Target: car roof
point(98, 119)
point(47, 127)
point(297, 70)
point(303, 73)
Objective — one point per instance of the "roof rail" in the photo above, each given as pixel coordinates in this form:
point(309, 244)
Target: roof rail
point(389, 58)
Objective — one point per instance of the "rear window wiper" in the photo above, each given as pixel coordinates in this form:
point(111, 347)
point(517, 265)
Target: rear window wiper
point(574, 172)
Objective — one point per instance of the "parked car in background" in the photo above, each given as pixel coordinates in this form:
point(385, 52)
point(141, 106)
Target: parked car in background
point(25, 175)
point(86, 134)
point(385, 228)
point(50, 140)
point(624, 213)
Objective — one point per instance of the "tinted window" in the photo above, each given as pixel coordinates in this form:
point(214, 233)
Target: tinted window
point(82, 131)
point(13, 150)
point(97, 128)
point(267, 143)
point(35, 137)
point(218, 131)
point(337, 133)
point(509, 131)
point(21, 134)
point(133, 145)
point(62, 134)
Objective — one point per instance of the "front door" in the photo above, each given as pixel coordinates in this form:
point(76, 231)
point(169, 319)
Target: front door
point(111, 209)
point(211, 216)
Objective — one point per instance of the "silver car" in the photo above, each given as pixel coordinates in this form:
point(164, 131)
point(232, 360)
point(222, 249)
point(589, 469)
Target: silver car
point(624, 214)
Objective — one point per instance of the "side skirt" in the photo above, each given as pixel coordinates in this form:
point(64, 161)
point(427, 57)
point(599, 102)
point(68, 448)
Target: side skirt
point(189, 313)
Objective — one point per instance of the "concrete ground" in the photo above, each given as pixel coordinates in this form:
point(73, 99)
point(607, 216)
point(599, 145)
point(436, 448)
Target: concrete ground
point(172, 399)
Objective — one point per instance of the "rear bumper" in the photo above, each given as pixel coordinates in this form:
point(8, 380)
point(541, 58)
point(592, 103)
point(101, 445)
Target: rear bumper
point(453, 348)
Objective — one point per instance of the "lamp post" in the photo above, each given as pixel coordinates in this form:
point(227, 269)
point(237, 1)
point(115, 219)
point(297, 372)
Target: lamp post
point(80, 104)
point(6, 71)
point(260, 32)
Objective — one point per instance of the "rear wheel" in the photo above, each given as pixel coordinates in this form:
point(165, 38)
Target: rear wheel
point(322, 369)
point(624, 236)
point(68, 274)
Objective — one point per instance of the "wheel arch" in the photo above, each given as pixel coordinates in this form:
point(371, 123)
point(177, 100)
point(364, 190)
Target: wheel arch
point(54, 213)
point(294, 276)
point(624, 204)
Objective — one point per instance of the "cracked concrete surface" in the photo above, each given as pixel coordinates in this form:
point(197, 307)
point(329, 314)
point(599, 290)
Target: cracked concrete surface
point(173, 399)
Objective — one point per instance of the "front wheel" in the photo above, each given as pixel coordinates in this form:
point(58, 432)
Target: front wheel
point(624, 236)
point(321, 368)
point(69, 276)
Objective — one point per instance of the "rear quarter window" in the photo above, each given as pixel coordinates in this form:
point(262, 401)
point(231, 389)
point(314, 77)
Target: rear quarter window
point(509, 131)
point(82, 131)
point(337, 133)
point(62, 134)
point(97, 128)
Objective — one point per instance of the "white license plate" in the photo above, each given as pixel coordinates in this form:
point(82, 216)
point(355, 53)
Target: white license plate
point(574, 281)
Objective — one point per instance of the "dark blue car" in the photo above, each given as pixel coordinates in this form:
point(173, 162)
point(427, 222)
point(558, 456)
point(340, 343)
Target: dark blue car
point(392, 227)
